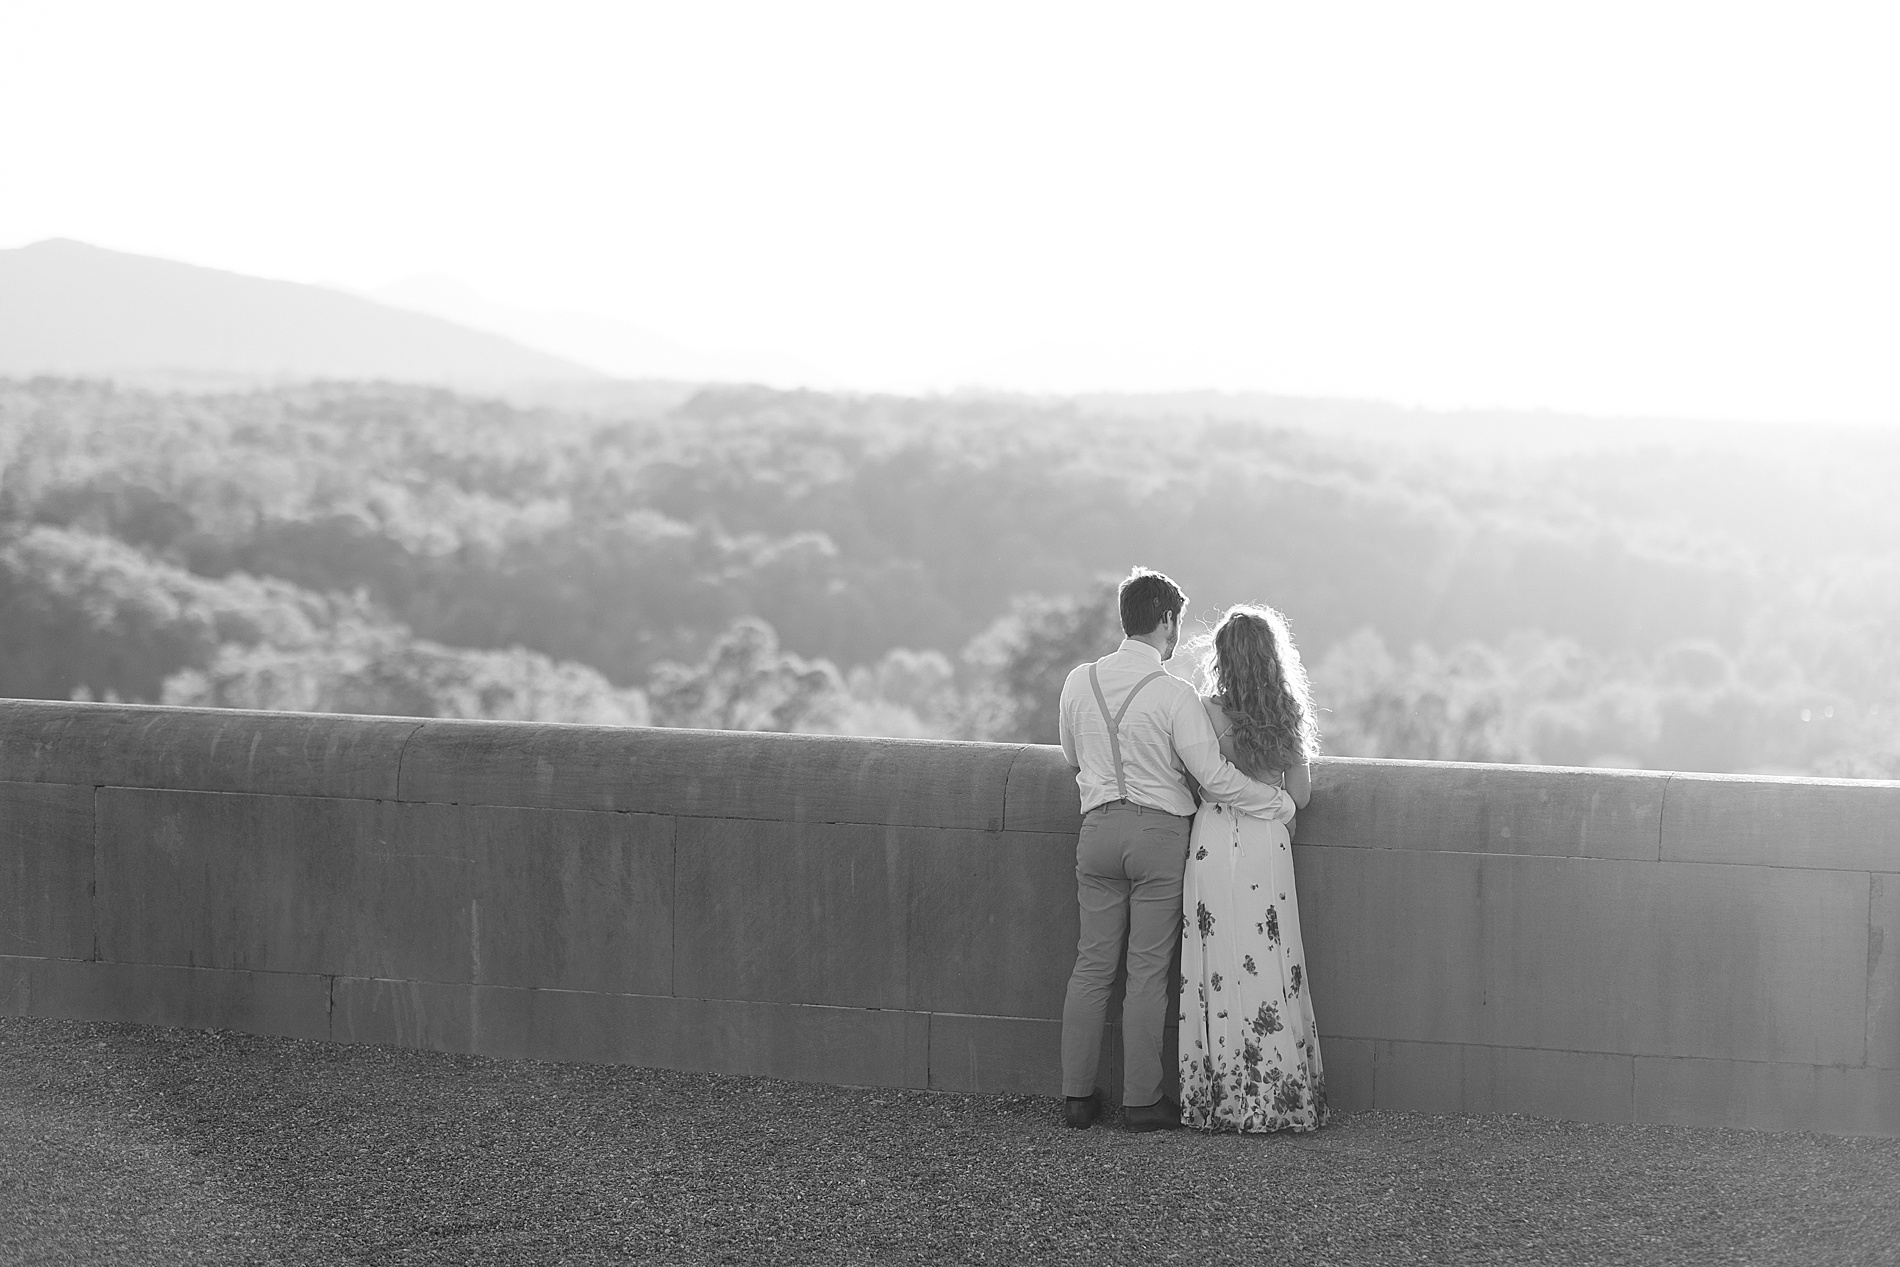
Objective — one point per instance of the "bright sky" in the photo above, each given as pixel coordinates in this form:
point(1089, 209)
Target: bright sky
point(1652, 207)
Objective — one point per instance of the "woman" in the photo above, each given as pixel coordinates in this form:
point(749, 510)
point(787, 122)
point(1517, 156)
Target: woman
point(1249, 1049)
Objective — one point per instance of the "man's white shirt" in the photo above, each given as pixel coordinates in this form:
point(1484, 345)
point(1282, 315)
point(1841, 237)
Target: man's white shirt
point(1164, 733)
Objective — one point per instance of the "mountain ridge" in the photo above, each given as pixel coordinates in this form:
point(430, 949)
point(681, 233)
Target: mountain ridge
point(71, 308)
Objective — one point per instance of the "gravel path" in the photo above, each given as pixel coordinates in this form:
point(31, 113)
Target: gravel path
point(124, 1145)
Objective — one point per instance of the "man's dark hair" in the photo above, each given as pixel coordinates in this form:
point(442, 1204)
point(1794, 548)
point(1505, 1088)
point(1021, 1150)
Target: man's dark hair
point(1146, 596)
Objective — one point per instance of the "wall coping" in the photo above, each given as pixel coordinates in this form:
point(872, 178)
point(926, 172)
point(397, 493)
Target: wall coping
point(1464, 807)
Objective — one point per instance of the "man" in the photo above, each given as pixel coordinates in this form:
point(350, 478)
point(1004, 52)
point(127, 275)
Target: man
point(1131, 731)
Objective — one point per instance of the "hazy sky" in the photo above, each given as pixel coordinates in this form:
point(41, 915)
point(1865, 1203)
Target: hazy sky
point(1634, 208)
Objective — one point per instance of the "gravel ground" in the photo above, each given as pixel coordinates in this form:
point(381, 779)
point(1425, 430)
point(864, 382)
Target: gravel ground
point(122, 1144)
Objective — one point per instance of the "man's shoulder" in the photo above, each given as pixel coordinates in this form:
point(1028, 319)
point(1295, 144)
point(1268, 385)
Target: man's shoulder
point(1186, 706)
point(1177, 687)
point(1170, 694)
point(1080, 672)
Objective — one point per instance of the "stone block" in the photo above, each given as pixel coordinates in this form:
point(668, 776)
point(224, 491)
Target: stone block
point(1349, 1072)
point(555, 899)
point(284, 1004)
point(1417, 1077)
point(1847, 824)
point(993, 923)
point(710, 773)
point(431, 892)
point(1496, 809)
point(795, 912)
point(453, 1017)
point(46, 870)
point(1042, 796)
point(1766, 1096)
point(260, 883)
point(16, 985)
point(201, 749)
point(1468, 1078)
point(1883, 971)
point(988, 1055)
point(848, 1046)
point(1579, 954)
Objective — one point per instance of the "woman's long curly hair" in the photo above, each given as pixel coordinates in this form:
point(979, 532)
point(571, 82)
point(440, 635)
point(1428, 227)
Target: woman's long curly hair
point(1253, 666)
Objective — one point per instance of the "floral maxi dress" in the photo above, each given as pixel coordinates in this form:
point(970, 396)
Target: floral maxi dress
point(1249, 1048)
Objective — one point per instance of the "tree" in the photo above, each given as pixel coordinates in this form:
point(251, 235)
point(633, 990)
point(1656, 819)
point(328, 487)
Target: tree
point(380, 669)
point(1422, 707)
point(1027, 654)
point(746, 683)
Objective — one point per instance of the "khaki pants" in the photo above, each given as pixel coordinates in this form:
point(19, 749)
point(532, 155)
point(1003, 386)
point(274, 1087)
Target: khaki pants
point(1128, 865)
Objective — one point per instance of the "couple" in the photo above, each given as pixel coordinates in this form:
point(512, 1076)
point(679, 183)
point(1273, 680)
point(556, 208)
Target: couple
point(1141, 740)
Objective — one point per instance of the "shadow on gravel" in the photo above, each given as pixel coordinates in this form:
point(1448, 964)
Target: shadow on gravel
point(131, 1145)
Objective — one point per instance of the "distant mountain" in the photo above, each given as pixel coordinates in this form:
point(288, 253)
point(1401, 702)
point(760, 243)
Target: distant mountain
point(616, 347)
point(624, 350)
point(69, 308)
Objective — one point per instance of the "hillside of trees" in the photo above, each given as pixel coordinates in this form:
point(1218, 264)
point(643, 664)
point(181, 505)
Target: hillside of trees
point(795, 560)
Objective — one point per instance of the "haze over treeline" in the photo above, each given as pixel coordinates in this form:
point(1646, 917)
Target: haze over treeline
point(801, 560)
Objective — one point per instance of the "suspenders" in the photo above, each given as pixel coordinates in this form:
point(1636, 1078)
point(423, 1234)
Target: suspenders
point(1115, 722)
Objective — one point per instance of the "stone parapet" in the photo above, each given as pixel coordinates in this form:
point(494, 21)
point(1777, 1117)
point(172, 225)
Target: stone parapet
point(1586, 944)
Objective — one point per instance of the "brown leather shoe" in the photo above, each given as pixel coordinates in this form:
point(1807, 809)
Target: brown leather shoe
point(1081, 1110)
point(1163, 1115)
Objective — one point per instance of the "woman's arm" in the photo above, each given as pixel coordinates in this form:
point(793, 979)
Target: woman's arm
point(1223, 728)
point(1299, 784)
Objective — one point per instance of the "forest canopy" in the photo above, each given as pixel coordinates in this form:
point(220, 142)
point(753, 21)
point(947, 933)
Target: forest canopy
point(865, 564)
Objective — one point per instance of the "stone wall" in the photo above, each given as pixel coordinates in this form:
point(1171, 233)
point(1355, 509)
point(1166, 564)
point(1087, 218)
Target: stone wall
point(1581, 944)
